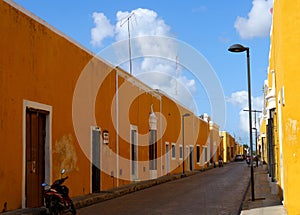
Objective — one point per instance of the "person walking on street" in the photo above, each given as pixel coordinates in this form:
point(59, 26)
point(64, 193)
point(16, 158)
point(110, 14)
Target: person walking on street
point(220, 161)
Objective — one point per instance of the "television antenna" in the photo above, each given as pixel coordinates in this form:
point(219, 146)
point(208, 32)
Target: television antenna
point(176, 87)
point(126, 19)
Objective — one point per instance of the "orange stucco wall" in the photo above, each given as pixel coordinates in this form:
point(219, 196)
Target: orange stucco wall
point(39, 64)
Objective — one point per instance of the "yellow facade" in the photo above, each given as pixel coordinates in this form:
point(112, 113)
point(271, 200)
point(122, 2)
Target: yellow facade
point(214, 142)
point(239, 149)
point(284, 99)
point(229, 146)
point(94, 116)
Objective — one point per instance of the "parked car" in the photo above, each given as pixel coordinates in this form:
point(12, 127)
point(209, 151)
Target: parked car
point(238, 158)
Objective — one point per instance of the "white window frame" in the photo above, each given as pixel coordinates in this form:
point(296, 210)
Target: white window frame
point(173, 155)
point(94, 128)
point(180, 152)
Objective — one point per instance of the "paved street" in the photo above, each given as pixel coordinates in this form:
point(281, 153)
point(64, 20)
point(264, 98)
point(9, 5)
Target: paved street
point(217, 191)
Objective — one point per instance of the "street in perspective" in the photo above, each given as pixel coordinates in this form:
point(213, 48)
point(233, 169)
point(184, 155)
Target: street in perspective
point(215, 191)
point(145, 108)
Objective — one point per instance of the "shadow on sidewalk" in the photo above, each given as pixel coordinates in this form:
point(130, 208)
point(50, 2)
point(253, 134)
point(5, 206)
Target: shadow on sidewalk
point(266, 193)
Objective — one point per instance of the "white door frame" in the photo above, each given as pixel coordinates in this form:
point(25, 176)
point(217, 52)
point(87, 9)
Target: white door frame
point(94, 128)
point(48, 144)
point(168, 157)
point(134, 177)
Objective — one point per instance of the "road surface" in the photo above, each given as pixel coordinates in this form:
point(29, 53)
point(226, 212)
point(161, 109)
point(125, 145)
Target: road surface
point(216, 191)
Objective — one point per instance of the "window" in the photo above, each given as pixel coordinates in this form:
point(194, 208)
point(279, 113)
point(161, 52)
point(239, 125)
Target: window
point(204, 151)
point(153, 150)
point(180, 152)
point(173, 151)
point(198, 153)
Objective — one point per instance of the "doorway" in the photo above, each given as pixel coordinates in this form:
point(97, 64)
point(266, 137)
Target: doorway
point(134, 153)
point(167, 158)
point(35, 156)
point(191, 158)
point(96, 172)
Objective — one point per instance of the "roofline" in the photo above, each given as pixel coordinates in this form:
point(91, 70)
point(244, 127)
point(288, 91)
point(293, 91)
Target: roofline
point(55, 30)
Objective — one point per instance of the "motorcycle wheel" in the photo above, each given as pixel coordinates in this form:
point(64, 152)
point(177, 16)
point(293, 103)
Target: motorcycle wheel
point(73, 209)
point(54, 207)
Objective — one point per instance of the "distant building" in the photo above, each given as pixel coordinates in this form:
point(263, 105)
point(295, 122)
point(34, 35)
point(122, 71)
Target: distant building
point(229, 146)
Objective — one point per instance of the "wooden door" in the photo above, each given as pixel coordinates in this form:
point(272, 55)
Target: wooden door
point(35, 156)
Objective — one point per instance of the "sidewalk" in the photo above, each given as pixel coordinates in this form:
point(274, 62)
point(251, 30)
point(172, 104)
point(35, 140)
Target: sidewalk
point(265, 202)
point(266, 195)
point(86, 200)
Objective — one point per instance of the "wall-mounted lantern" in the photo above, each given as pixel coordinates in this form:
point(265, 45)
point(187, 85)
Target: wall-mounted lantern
point(105, 136)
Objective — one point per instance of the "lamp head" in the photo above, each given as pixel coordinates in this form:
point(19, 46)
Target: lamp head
point(186, 114)
point(237, 48)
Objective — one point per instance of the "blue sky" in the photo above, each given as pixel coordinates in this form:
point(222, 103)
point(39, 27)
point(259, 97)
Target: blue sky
point(208, 26)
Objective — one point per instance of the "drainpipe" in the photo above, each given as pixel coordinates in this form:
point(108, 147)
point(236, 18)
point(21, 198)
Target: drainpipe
point(117, 126)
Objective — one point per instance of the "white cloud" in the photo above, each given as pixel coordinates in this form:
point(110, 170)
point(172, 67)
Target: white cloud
point(259, 20)
point(143, 22)
point(162, 74)
point(240, 99)
point(179, 88)
point(156, 72)
point(102, 29)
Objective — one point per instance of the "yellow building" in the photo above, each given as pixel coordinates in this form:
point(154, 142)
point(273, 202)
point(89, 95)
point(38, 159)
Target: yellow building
point(62, 107)
point(239, 149)
point(229, 146)
point(282, 116)
point(262, 139)
point(214, 142)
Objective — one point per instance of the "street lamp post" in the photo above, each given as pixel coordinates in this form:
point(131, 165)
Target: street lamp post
point(182, 120)
point(240, 48)
point(255, 128)
point(256, 154)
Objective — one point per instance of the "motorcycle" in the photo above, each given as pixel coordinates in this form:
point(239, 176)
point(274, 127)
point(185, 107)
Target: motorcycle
point(57, 198)
point(220, 162)
point(248, 161)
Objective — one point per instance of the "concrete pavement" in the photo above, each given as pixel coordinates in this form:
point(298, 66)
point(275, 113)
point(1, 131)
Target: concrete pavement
point(217, 191)
point(86, 200)
point(267, 200)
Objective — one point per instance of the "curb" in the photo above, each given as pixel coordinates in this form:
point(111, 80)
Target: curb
point(94, 198)
point(244, 197)
point(90, 199)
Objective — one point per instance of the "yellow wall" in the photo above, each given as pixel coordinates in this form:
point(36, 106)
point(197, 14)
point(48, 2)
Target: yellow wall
point(229, 151)
point(284, 60)
point(214, 141)
point(32, 56)
point(43, 66)
point(196, 132)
